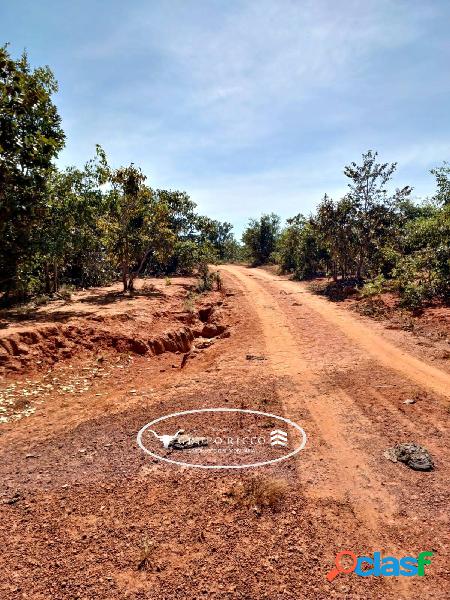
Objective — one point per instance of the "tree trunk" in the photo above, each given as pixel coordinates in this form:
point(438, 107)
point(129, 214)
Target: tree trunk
point(125, 274)
point(55, 278)
point(47, 279)
point(135, 275)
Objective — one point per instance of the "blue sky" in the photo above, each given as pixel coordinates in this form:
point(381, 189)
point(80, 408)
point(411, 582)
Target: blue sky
point(249, 106)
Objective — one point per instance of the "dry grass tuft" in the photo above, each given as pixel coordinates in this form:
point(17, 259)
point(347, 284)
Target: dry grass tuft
point(258, 493)
point(146, 551)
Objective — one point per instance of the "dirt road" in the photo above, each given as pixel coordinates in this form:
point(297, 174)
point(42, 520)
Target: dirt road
point(91, 502)
point(340, 368)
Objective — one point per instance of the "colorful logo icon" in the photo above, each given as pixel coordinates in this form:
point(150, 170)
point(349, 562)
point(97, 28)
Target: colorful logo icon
point(376, 566)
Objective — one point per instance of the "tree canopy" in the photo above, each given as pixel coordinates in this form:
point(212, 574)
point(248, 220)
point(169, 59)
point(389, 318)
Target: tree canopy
point(372, 234)
point(83, 226)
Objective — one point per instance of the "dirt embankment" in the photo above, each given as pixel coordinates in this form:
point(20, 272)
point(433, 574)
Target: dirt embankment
point(428, 326)
point(132, 326)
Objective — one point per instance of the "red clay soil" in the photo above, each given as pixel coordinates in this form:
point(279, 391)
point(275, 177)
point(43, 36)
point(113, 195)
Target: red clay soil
point(105, 319)
point(86, 514)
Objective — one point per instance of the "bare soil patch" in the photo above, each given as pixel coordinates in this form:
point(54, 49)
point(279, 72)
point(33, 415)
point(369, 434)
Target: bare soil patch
point(86, 514)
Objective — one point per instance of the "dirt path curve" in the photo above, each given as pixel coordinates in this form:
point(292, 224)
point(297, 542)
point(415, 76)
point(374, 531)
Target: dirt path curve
point(308, 341)
point(380, 349)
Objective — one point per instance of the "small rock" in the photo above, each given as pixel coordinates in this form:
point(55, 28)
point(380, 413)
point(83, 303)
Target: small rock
point(17, 496)
point(211, 330)
point(410, 401)
point(412, 455)
point(254, 357)
point(201, 344)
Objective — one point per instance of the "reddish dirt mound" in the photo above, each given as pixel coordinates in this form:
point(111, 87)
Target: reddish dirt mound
point(141, 330)
point(51, 343)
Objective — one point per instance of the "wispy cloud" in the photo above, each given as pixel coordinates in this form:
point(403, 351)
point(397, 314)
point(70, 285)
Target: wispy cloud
point(250, 106)
point(238, 72)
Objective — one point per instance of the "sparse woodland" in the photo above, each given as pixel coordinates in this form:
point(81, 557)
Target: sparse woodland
point(83, 226)
point(370, 238)
point(87, 226)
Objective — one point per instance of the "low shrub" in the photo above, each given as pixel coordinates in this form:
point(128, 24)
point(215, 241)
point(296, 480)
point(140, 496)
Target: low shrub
point(259, 493)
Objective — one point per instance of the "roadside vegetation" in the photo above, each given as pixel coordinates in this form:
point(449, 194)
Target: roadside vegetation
point(62, 229)
point(84, 226)
point(258, 493)
point(371, 240)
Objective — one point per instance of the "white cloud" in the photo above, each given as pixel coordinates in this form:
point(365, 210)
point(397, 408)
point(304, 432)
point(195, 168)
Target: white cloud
point(242, 69)
point(208, 93)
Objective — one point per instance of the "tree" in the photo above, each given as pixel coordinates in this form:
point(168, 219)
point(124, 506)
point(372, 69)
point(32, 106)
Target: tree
point(372, 205)
point(30, 138)
point(219, 235)
point(336, 225)
point(261, 237)
point(148, 230)
point(178, 252)
point(442, 175)
point(69, 241)
point(301, 250)
point(126, 224)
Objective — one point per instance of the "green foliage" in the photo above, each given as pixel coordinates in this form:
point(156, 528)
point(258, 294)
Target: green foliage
point(219, 236)
point(423, 271)
point(261, 237)
point(442, 175)
point(208, 279)
point(300, 248)
point(189, 303)
point(370, 235)
point(83, 226)
point(357, 227)
point(127, 222)
point(70, 244)
point(30, 138)
point(205, 280)
point(217, 280)
point(87, 226)
point(373, 287)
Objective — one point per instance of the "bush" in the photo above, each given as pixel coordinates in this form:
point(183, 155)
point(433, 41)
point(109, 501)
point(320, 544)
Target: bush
point(413, 296)
point(374, 287)
point(205, 280)
point(260, 239)
point(259, 492)
point(189, 303)
point(65, 291)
